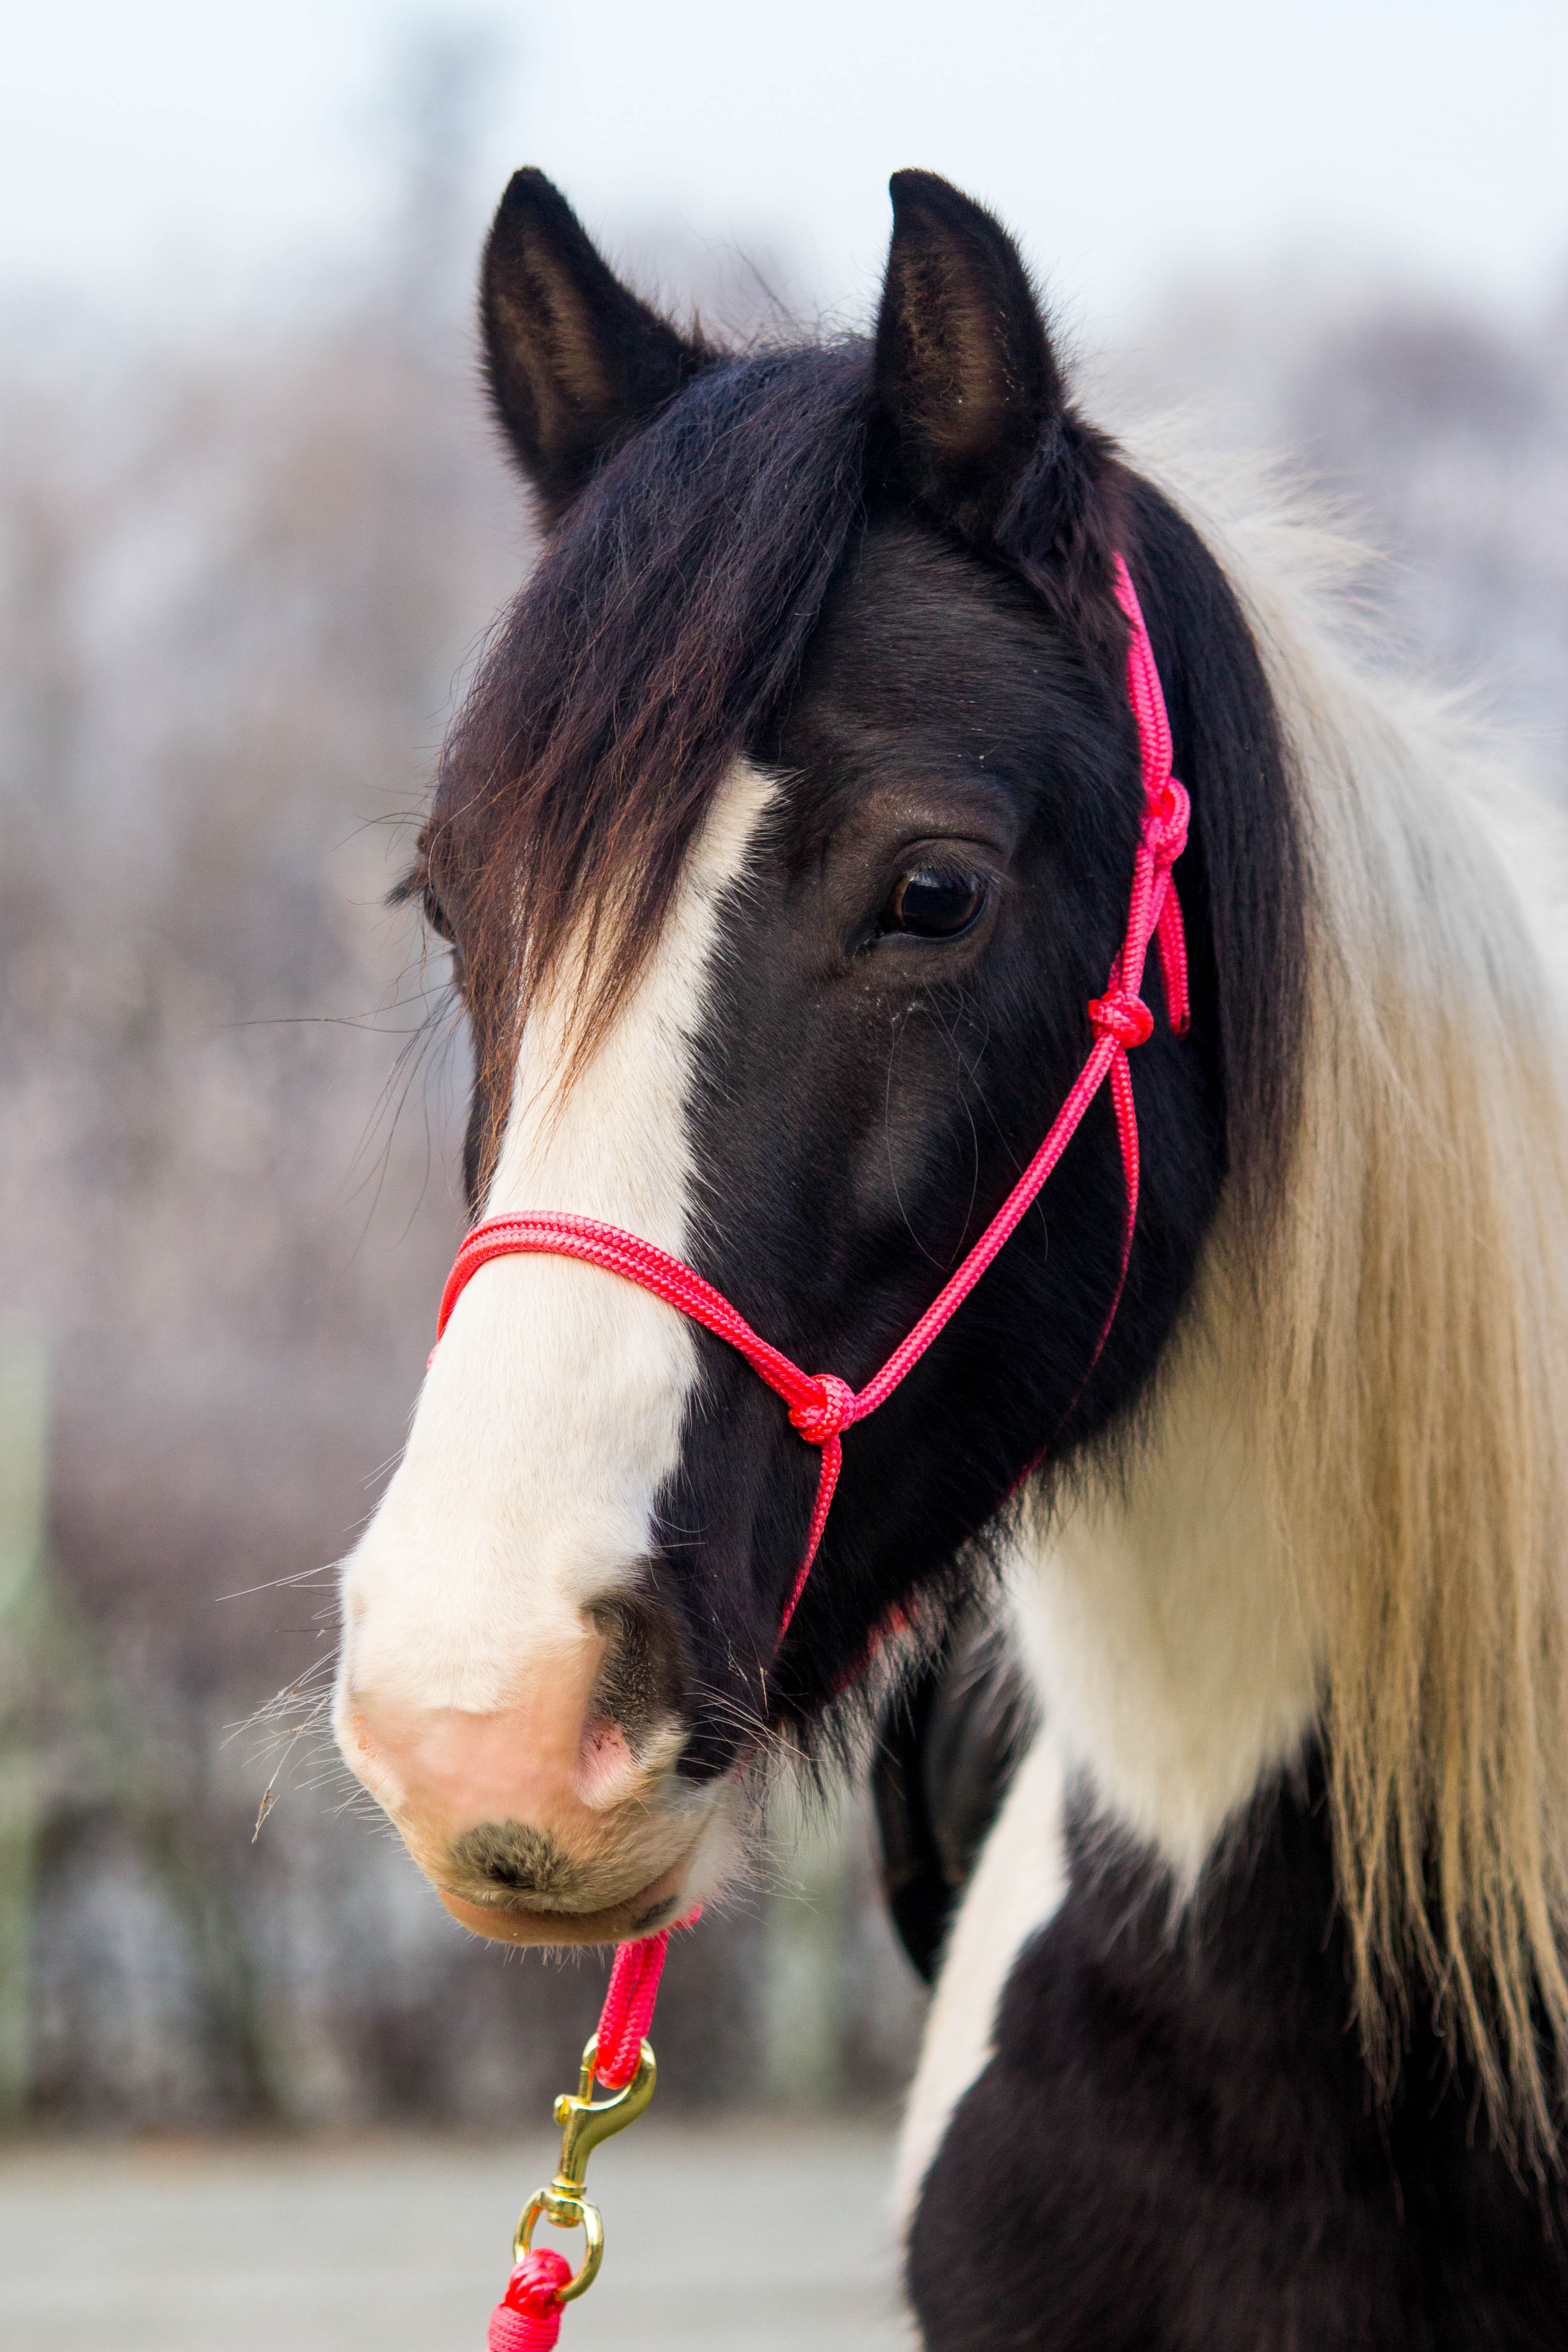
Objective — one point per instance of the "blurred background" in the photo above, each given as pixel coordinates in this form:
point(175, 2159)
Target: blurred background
point(254, 525)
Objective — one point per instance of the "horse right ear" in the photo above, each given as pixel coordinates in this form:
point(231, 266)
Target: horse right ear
point(575, 362)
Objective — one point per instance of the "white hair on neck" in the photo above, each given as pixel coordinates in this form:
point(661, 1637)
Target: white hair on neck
point(1387, 1376)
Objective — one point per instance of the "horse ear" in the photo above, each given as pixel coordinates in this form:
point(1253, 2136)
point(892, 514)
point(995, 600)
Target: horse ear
point(575, 362)
point(964, 375)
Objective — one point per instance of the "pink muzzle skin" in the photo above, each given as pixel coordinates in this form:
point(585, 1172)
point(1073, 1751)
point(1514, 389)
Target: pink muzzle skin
point(821, 1405)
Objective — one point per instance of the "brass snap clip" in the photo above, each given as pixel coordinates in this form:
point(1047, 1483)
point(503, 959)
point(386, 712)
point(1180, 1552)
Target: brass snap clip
point(584, 2121)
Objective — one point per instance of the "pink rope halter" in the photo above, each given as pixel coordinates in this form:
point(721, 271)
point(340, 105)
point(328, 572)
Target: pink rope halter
point(821, 1405)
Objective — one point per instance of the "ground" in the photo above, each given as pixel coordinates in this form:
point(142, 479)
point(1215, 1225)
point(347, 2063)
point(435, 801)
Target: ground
point(752, 2236)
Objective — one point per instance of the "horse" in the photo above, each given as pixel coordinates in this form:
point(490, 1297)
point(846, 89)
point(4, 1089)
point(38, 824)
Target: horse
point(781, 846)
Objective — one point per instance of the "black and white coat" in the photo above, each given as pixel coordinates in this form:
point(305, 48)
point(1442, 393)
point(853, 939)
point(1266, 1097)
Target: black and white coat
point(1139, 2117)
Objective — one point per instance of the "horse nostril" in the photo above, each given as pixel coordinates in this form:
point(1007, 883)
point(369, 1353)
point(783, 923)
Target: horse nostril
point(640, 1679)
point(511, 1856)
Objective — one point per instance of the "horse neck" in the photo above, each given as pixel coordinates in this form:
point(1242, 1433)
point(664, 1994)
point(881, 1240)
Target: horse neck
point(1158, 1611)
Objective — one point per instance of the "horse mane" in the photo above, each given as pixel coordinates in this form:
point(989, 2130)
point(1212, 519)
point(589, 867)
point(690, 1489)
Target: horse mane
point(1408, 1337)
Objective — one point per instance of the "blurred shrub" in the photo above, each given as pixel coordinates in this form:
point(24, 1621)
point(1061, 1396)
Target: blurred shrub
point(1439, 433)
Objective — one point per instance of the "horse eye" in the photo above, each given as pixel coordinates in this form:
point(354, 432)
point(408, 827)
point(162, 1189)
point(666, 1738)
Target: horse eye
point(931, 904)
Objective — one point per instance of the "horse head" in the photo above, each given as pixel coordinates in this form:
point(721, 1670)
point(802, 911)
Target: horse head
point(785, 835)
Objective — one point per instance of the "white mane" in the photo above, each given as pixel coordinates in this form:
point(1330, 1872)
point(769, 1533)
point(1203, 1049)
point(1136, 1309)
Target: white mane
point(1348, 1512)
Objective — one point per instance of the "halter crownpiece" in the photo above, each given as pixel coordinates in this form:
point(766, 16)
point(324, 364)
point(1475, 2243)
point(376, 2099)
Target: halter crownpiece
point(822, 1406)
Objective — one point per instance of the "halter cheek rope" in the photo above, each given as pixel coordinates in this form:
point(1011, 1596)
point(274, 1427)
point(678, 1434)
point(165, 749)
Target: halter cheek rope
point(821, 1408)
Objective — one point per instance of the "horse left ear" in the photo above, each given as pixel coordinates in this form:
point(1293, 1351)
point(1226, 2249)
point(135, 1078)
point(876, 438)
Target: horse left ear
point(575, 362)
point(965, 378)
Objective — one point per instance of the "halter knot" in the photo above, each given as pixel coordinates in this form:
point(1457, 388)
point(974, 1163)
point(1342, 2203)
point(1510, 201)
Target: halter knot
point(826, 1413)
point(528, 2317)
point(1126, 1018)
point(1171, 814)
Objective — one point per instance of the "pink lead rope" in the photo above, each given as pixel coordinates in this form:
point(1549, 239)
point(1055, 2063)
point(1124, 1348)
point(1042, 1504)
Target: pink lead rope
point(821, 1405)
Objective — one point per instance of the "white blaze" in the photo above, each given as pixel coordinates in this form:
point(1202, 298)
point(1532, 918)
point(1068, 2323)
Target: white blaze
point(551, 1412)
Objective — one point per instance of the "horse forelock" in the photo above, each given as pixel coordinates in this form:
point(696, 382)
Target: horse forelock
point(663, 624)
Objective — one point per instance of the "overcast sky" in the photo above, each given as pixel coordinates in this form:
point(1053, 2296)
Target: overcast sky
point(162, 149)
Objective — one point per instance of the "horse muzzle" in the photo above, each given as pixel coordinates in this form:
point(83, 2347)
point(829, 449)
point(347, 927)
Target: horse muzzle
point(542, 1821)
